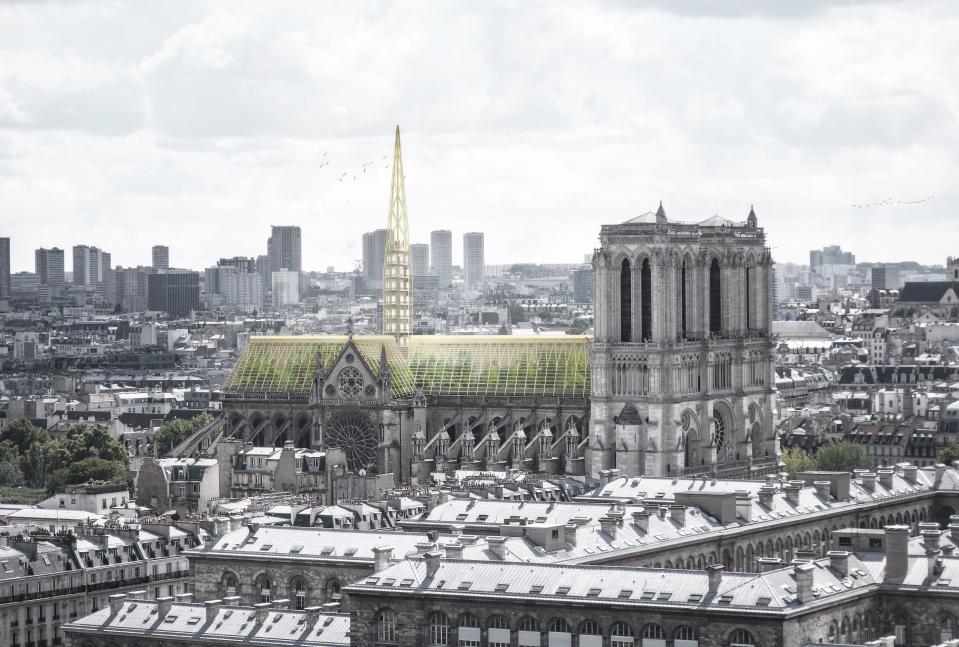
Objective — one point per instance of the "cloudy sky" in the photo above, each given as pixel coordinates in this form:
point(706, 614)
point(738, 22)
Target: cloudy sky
point(200, 124)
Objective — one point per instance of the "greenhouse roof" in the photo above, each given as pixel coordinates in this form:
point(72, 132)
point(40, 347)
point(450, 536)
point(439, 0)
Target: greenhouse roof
point(440, 365)
point(286, 364)
point(501, 365)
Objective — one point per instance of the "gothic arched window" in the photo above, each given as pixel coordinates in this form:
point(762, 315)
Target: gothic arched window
point(715, 298)
point(646, 311)
point(625, 302)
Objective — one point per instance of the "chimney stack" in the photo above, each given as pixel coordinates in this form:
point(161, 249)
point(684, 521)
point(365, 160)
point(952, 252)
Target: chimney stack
point(822, 489)
point(454, 551)
point(312, 616)
point(869, 481)
point(608, 525)
point(804, 580)
point(767, 564)
point(641, 520)
point(423, 547)
point(457, 528)
point(715, 575)
point(933, 562)
point(931, 538)
point(744, 505)
point(792, 491)
point(382, 558)
point(163, 607)
point(211, 607)
point(569, 534)
point(885, 477)
point(766, 494)
point(839, 561)
point(498, 546)
point(232, 601)
point(262, 611)
point(280, 603)
point(910, 472)
point(432, 563)
point(678, 514)
point(897, 551)
point(116, 603)
point(954, 530)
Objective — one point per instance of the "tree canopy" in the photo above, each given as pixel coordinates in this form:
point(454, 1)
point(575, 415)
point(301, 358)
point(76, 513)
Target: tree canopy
point(172, 433)
point(843, 457)
point(796, 460)
point(949, 453)
point(28, 455)
point(86, 470)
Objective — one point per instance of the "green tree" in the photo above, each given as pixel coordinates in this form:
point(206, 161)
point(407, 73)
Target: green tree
point(10, 473)
point(949, 453)
point(89, 469)
point(83, 442)
point(176, 431)
point(22, 433)
point(796, 460)
point(843, 457)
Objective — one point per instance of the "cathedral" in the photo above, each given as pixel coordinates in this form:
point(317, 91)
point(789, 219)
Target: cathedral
point(676, 379)
point(681, 356)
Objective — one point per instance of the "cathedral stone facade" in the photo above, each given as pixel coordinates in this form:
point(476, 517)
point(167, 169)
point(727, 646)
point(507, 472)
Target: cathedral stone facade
point(681, 359)
point(676, 380)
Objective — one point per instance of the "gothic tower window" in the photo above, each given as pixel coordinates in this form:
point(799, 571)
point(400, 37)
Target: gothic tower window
point(625, 303)
point(749, 300)
point(715, 299)
point(682, 300)
point(645, 283)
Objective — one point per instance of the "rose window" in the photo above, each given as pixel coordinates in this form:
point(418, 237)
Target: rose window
point(355, 434)
point(350, 382)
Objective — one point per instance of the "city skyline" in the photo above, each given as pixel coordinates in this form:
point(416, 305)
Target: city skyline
point(836, 137)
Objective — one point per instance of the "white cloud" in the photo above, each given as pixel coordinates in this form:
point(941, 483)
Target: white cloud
point(200, 124)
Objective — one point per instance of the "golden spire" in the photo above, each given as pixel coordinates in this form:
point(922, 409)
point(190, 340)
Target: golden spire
point(397, 283)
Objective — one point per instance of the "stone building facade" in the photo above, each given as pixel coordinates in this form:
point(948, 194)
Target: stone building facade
point(681, 359)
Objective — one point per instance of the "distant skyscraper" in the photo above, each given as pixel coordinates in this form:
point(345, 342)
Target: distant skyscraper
point(161, 257)
point(885, 278)
point(441, 257)
point(175, 293)
point(830, 255)
point(284, 249)
point(583, 284)
point(132, 288)
point(49, 266)
point(473, 259)
point(420, 259)
point(91, 265)
point(374, 252)
point(286, 288)
point(241, 263)
point(4, 269)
